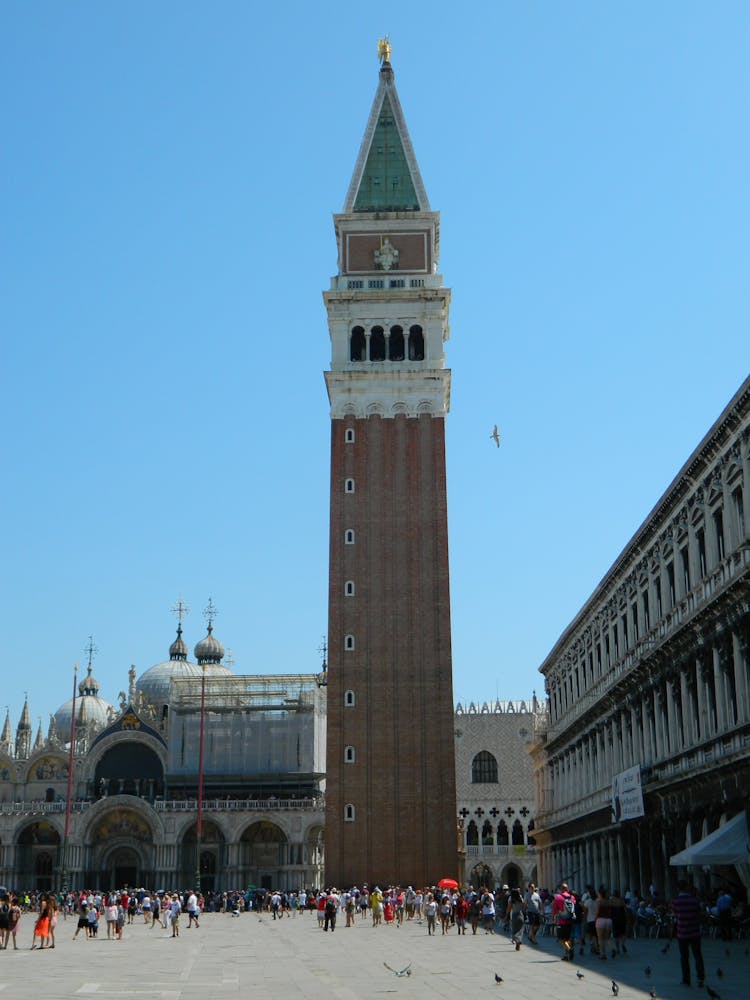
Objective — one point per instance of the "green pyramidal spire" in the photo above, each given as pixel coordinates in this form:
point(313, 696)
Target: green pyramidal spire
point(386, 176)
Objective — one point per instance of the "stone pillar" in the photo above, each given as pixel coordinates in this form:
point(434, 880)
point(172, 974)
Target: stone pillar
point(657, 708)
point(739, 651)
point(672, 738)
point(721, 690)
point(621, 863)
point(648, 742)
point(700, 690)
point(612, 859)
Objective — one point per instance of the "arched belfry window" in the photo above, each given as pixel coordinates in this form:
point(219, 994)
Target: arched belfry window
point(377, 344)
point(357, 344)
point(396, 344)
point(484, 769)
point(416, 343)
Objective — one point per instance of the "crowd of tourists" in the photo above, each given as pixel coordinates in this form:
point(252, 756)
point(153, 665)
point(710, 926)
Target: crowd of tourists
point(595, 922)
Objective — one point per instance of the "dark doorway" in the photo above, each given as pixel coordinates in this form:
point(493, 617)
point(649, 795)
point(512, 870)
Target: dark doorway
point(125, 875)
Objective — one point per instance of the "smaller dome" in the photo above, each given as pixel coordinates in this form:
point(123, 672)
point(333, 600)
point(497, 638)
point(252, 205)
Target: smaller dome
point(89, 684)
point(209, 649)
point(90, 708)
point(178, 650)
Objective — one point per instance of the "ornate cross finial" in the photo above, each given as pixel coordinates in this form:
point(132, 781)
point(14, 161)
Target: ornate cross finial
point(384, 50)
point(210, 613)
point(91, 649)
point(323, 651)
point(180, 610)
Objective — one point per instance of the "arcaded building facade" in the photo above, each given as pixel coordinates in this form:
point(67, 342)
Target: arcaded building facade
point(495, 790)
point(390, 802)
point(135, 777)
point(649, 686)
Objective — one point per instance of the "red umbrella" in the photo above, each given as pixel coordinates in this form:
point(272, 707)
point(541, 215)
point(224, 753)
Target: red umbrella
point(447, 883)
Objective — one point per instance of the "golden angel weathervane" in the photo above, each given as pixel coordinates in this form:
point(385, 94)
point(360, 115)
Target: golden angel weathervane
point(384, 49)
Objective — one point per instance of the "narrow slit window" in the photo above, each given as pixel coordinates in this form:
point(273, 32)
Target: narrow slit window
point(348, 643)
point(349, 435)
point(349, 755)
point(349, 699)
point(349, 486)
point(349, 588)
point(349, 536)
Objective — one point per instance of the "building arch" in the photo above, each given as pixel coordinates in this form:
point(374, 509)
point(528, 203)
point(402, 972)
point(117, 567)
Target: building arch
point(357, 344)
point(44, 767)
point(120, 843)
point(484, 769)
point(482, 876)
point(396, 344)
point(512, 876)
point(377, 344)
point(38, 854)
point(212, 856)
point(416, 343)
point(263, 848)
point(129, 767)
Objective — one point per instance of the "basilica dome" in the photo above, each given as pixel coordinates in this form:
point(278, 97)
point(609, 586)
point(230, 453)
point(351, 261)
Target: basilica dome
point(90, 708)
point(154, 683)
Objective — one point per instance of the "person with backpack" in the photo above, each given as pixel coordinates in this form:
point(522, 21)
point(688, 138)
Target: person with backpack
point(332, 908)
point(4, 920)
point(563, 914)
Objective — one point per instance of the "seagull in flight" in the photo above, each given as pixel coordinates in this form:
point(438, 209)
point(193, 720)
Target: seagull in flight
point(495, 435)
point(406, 971)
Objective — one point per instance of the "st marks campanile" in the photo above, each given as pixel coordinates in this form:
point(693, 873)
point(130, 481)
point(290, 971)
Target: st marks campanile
point(390, 797)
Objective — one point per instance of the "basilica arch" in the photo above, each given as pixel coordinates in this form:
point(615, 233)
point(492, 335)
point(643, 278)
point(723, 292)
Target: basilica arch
point(213, 855)
point(263, 850)
point(119, 843)
point(124, 763)
point(38, 854)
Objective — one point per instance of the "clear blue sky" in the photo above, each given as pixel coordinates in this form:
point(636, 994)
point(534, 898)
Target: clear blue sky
point(168, 175)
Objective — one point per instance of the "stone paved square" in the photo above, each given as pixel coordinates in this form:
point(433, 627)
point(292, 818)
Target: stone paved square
point(251, 955)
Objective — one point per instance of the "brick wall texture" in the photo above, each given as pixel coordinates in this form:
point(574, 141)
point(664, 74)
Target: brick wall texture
point(402, 781)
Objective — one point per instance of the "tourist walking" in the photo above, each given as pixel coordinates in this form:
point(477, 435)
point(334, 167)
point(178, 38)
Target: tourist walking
point(515, 917)
point(603, 922)
point(41, 925)
point(533, 903)
point(687, 912)
point(175, 909)
point(430, 911)
point(563, 915)
point(14, 921)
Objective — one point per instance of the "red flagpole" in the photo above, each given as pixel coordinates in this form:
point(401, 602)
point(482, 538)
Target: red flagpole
point(71, 759)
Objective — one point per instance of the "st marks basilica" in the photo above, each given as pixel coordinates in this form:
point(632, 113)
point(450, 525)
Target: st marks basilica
point(132, 781)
